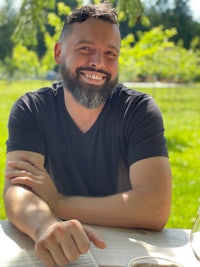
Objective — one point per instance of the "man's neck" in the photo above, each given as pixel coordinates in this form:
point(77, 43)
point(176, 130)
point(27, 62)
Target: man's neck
point(83, 117)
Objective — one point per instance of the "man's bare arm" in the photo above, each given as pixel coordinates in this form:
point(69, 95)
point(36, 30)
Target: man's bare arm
point(56, 242)
point(146, 205)
point(20, 202)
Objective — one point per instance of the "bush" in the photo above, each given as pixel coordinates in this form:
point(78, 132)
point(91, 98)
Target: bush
point(155, 56)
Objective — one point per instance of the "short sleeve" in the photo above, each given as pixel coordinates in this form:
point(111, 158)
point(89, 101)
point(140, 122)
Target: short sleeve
point(24, 132)
point(144, 130)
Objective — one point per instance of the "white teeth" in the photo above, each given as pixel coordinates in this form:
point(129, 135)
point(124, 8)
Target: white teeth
point(94, 77)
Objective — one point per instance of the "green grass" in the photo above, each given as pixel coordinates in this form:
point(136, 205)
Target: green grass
point(181, 113)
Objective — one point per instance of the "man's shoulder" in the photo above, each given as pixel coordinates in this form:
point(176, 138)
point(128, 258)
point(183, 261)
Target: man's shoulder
point(38, 99)
point(52, 90)
point(129, 100)
point(42, 94)
point(125, 93)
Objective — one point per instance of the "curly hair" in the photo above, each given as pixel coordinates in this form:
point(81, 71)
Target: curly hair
point(103, 11)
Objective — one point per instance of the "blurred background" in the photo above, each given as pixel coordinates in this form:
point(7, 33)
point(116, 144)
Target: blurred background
point(163, 34)
point(160, 55)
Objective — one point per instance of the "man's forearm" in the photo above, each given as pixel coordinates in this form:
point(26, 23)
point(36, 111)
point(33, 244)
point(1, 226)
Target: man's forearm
point(129, 209)
point(26, 211)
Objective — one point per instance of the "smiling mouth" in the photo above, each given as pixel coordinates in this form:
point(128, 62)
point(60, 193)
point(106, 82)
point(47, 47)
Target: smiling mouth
point(93, 77)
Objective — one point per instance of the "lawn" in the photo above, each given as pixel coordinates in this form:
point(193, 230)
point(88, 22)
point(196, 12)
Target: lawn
point(181, 113)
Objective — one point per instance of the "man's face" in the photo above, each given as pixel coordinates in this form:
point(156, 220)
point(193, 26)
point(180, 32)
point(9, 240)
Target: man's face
point(89, 61)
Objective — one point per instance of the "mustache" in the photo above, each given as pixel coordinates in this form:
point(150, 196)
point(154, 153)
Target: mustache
point(102, 71)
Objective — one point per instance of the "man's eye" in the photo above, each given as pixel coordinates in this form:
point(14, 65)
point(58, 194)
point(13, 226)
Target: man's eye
point(111, 54)
point(84, 48)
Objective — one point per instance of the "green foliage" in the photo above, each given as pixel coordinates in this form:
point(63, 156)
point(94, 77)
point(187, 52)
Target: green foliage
point(26, 62)
point(7, 24)
point(129, 10)
point(149, 55)
point(180, 108)
point(54, 21)
point(33, 16)
point(23, 64)
point(5, 31)
point(173, 13)
point(47, 62)
point(156, 57)
point(31, 19)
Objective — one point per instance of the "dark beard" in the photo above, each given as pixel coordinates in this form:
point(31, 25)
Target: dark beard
point(88, 95)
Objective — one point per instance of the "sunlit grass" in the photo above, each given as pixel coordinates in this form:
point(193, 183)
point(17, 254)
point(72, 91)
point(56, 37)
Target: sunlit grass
point(181, 113)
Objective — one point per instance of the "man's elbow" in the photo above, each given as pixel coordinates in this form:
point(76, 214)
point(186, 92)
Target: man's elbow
point(153, 219)
point(159, 220)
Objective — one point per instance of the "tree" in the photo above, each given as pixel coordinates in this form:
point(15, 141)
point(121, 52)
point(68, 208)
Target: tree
point(148, 54)
point(31, 19)
point(156, 57)
point(7, 25)
point(26, 62)
point(130, 10)
point(174, 13)
point(33, 16)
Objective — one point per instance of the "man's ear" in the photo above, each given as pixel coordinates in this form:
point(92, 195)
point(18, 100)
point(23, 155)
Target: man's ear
point(57, 53)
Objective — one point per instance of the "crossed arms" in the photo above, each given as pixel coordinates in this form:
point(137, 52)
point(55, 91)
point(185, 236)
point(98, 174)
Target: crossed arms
point(57, 223)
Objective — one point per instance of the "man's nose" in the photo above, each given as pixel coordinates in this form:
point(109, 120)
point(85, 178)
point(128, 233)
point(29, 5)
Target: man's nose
point(97, 61)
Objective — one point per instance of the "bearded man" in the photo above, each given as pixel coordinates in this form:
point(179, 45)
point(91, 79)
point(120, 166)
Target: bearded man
point(86, 150)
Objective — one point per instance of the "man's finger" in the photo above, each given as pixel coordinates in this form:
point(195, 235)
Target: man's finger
point(45, 256)
point(94, 237)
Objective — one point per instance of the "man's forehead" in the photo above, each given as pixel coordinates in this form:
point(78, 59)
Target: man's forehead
point(94, 23)
point(91, 28)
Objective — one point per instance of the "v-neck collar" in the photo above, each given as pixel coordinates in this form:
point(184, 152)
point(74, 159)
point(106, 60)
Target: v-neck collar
point(74, 126)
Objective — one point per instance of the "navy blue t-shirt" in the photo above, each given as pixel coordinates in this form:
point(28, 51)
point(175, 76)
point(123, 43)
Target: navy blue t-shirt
point(94, 163)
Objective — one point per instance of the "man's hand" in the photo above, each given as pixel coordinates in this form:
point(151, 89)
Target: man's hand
point(64, 242)
point(29, 172)
point(56, 242)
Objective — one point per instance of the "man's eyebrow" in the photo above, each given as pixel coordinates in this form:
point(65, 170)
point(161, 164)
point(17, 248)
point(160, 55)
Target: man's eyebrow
point(91, 43)
point(84, 42)
point(114, 47)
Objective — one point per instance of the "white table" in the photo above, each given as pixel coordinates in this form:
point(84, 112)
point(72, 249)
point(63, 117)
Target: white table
point(122, 245)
